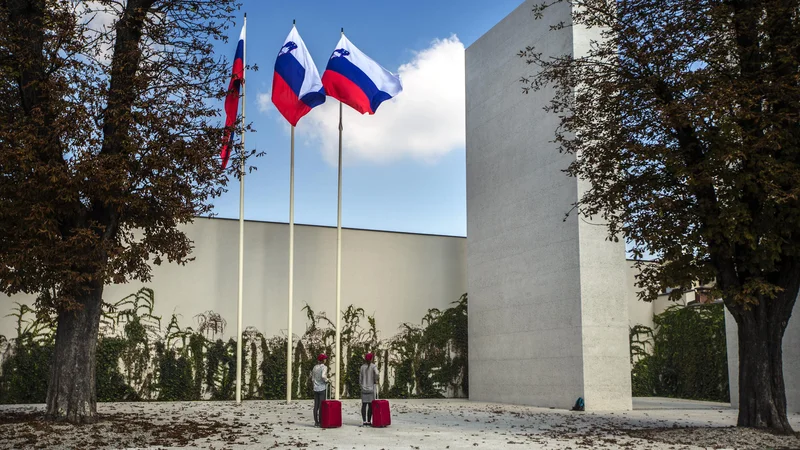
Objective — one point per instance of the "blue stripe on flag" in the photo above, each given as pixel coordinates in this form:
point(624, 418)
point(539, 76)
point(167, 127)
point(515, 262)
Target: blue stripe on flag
point(379, 98)
point(239, 50)
point(343, 66)
point(292, 72)
point(313, 99)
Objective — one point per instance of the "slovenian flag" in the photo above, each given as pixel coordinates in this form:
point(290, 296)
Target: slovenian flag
point(232, 99)
point(296, 85)
point(356, 80)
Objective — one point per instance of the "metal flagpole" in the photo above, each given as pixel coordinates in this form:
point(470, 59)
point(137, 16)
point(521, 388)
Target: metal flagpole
point(241, 234)
point(291, 276)
point(339, 260)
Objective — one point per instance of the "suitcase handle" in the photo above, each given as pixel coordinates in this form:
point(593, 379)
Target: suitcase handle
point(377, 397)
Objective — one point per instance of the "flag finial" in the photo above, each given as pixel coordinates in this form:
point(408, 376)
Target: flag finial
point(245, 15)
point(342, 31)
point(294, 22)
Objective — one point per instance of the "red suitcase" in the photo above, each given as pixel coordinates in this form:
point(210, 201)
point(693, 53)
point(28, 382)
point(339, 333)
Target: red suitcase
point(380, 412)
point(330, 412)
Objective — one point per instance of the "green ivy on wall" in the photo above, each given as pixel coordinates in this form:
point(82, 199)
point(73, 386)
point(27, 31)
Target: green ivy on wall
point(432, 358)
point(139, 359)
point(111, 384)
point(684, 357)
point(26, 359)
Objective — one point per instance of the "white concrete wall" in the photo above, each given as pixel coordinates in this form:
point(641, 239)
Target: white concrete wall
point(395, 276)
point(791, 360)
point(639, 312)
point(604, 319)
point(548, 312)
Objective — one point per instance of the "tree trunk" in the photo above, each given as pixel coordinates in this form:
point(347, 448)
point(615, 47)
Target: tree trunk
point(71, 391)
point(762, 393)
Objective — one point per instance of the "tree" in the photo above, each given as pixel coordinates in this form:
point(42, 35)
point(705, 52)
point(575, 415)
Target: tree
point(683, 116)
point(109, 145)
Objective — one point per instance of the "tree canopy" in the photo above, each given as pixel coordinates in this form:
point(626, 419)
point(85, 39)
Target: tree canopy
point(108, 139)
point(683, 116)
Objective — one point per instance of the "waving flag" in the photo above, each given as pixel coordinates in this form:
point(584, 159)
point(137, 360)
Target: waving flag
point(356, 80)
point(232, 99)
point(296, 86)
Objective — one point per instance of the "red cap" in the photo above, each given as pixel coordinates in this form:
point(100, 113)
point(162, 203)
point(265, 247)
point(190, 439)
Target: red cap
point(368, 356)
point(322, 357)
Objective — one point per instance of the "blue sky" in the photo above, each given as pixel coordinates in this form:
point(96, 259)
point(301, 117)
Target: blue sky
point(403, 171)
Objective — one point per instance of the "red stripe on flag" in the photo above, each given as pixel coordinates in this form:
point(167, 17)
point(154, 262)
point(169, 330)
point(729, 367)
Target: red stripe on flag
point(231, 111)
point(285, 100)
point(238, 69)
point(341, 88)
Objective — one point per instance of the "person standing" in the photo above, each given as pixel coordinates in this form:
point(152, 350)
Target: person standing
point(367, 378)
point(319, 378)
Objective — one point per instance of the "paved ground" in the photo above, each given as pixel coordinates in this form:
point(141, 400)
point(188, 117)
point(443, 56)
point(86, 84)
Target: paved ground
point(416, 424)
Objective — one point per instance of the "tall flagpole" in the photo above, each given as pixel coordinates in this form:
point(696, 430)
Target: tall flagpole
point(241, 234)
point(289, 342)
point(339, 260)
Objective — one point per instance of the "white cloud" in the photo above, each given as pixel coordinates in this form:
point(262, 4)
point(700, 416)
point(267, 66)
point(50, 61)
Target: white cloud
point(424, 122)
point(264, 102)
point(100, 19)
point(99, 16)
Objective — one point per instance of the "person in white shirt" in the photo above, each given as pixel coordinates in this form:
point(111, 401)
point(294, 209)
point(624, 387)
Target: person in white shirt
point(319, 377)
point(368, 378)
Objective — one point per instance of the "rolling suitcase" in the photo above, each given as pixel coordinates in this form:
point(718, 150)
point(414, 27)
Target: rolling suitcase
point(330, 413)
point(380, 412)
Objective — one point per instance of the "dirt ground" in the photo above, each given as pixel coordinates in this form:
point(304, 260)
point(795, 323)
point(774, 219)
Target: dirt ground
point(416, 424)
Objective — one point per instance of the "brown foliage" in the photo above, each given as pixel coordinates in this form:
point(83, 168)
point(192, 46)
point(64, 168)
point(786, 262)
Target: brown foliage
point(684, 117)
point(108, 141)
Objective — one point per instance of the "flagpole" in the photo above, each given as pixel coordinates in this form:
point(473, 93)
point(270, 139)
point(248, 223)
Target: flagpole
point(291, 275)
point(241, 234)
point(339, 260)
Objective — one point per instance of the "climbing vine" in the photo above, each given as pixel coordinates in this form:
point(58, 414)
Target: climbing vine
point(685, 356)
point(26, 360)
point(432, 357)
point(140, 358)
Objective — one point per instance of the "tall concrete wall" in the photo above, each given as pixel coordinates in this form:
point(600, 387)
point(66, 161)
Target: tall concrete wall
point(548, 317)
point(791, 359)
point(395, 276)
point(639, 312)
